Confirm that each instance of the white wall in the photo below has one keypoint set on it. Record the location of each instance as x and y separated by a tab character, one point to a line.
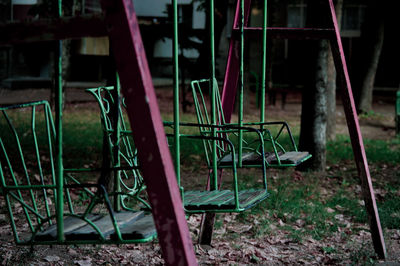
154	8
158	8
24	2
199	17
163	49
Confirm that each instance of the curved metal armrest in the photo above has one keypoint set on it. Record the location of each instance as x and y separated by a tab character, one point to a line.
224	129
283	124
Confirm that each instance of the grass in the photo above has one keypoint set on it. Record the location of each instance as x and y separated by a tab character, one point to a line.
378	151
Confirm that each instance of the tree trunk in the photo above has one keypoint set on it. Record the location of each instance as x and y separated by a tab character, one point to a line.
314	109
331	84
372	38
313	116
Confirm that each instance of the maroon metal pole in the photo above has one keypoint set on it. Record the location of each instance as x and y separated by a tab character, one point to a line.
232	65
228	100
148	133
356	138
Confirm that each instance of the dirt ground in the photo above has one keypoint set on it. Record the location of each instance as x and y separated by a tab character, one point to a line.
273	249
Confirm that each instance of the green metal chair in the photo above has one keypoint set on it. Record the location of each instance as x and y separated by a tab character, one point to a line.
119	147
30	187
218	199
227	200
278	151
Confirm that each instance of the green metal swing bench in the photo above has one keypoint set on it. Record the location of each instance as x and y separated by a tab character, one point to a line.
263	146
277	153
227	200
31	189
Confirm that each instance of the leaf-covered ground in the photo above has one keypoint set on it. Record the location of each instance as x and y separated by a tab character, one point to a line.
343	247
269	236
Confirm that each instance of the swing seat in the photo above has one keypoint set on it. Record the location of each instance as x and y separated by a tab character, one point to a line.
279	151
292	158
31	190
222	200
134	226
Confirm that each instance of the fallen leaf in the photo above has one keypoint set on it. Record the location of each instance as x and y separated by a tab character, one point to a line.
51	258
329	210
85	262
281	223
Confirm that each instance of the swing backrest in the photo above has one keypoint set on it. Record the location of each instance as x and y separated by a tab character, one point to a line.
203	113
130	177
27	167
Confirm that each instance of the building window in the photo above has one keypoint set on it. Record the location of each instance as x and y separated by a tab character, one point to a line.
185	13
296	16
353	17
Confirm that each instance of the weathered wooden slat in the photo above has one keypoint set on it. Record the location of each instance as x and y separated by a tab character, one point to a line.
252	197
247	156
192	196
223	198
250	158
52	29
292	157
105	225
139	229
226	200
213	197
202	196
70	223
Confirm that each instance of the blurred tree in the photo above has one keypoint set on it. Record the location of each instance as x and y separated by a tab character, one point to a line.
314	107
372	36
331	83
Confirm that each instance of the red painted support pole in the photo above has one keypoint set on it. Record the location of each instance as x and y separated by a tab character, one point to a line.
232	66
228	100
148	133
356	138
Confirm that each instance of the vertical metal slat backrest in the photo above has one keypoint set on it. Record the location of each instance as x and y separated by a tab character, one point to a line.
131	180
27	170
203	118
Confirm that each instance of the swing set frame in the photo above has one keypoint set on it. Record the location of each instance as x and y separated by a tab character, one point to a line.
121	25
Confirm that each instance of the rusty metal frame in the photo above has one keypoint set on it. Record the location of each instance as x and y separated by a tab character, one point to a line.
356	137
148	133
332	33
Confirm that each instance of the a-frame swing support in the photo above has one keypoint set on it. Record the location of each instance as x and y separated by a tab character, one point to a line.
331	33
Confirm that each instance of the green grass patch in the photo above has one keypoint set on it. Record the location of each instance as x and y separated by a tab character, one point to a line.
389	211
349	205
378	151
299	206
